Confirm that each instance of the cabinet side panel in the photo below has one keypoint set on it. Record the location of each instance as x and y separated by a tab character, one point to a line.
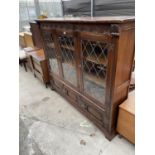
125	59
36	35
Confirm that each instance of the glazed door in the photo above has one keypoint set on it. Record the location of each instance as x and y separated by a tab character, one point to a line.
50	49
95	51
66	47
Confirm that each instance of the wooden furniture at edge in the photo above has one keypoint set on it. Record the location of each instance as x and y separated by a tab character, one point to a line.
22	40
39	64
29	47
28	51
75	48
28	39
126	118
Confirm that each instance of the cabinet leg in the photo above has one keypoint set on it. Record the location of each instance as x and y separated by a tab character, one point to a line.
24	63
46	85
110	136
52	88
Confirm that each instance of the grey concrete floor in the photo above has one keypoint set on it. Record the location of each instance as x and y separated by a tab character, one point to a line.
49	125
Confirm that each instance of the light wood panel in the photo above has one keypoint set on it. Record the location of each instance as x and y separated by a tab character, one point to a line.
126	118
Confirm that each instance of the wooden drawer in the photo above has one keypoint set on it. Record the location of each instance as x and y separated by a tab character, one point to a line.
70	93
91	110
95	113
37	67
38	75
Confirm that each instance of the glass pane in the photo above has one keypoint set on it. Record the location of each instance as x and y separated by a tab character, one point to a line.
27	12
32	13
95	68
50	50
68	60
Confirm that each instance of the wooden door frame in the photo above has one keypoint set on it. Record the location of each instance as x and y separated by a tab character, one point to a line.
72	34
102	38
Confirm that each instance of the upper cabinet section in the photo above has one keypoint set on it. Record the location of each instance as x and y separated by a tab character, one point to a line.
48	39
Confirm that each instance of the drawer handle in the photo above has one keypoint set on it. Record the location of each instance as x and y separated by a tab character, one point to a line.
64	33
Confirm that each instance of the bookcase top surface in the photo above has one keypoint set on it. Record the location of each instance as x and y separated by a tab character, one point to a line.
104	19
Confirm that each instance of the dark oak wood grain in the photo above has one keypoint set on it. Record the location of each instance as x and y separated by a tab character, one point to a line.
100	52
36	35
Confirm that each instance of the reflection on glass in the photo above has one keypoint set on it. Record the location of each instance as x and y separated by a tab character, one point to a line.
54	65
95	66
50	49
68	60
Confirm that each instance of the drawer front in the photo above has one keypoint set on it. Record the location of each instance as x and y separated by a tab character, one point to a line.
94	112
80	101
38	67
70	93
83	104
58	85
39	76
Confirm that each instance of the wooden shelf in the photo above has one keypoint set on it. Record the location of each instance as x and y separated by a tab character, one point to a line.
67	47
95	79
97	61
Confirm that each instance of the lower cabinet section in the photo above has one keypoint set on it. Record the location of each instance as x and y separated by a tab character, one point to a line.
82	104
